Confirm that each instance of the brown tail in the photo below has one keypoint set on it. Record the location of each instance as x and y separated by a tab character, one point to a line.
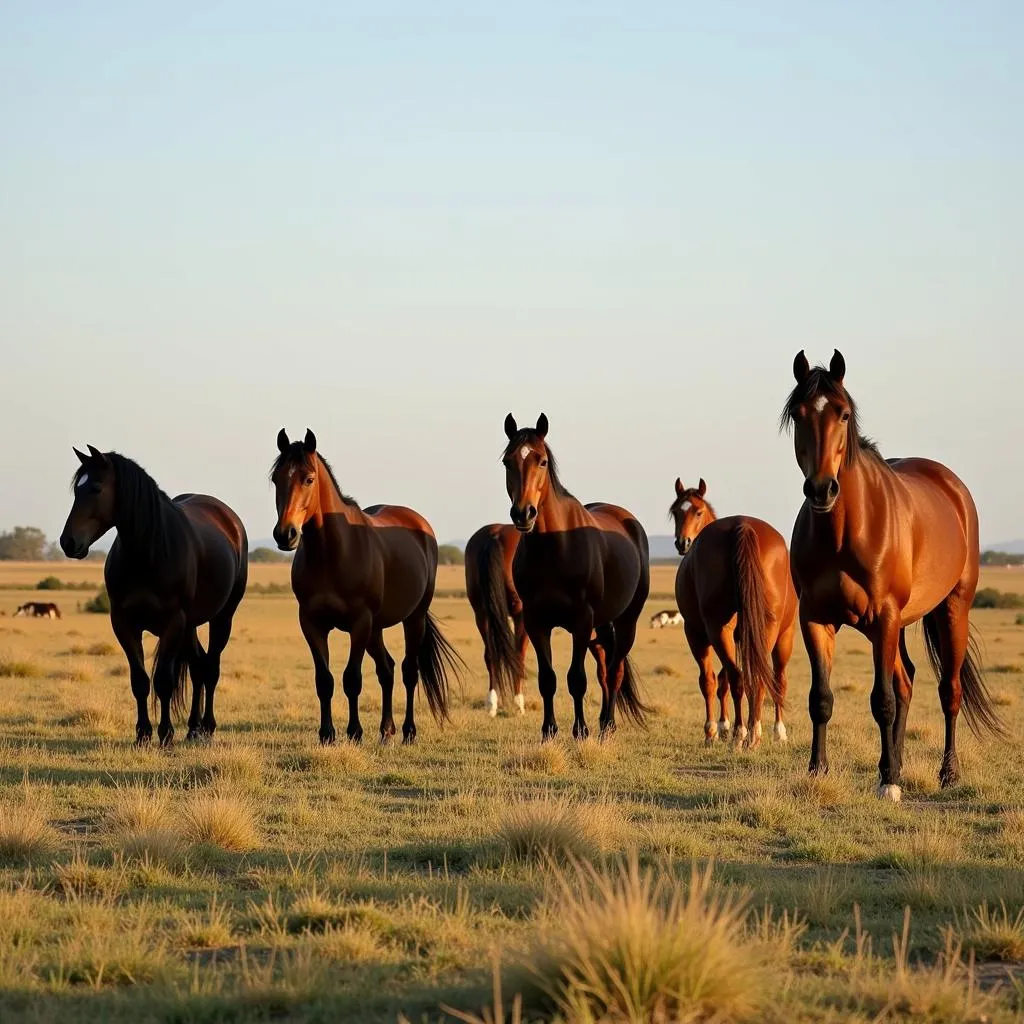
755	617
502	653
977	704
628	698
436	659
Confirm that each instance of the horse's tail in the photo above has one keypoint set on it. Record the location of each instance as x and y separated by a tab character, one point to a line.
978	707
755	617
436	659
179	671
628	697
499	643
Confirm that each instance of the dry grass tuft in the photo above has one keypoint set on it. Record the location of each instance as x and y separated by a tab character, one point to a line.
19	668
559	829
25	831
222	818
545	759
340	759
138	809
626	945
592	753
207	929
823	791
993	935
157	846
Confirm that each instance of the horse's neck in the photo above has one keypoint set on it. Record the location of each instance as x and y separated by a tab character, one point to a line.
136	534
856	483
561	512
330	503
707	519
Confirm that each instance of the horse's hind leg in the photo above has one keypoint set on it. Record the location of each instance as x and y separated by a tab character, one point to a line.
725	648
492	689
522	642
950	622
903	686
577	675
220	633
781	654
385	666
723	702
415	629
196	661
700	648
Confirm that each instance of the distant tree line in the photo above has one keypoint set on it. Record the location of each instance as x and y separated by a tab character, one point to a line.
1001	558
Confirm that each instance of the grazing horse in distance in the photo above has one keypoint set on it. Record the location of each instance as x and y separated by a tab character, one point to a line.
360	571
877	545
583	568
493	597
736	596
175	565
665	618
39	610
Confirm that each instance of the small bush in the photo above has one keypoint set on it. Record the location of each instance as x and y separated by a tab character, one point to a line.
267	556
100	604
989	597
49	583
1019	620
19	668
449	554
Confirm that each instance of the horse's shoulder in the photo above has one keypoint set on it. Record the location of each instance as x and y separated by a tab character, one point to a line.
398	515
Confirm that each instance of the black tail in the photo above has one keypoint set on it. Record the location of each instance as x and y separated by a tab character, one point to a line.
180	671
628	698
976	703
499	643
755	617
436	659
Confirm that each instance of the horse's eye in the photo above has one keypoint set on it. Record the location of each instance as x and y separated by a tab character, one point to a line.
543	463
845	417
308	481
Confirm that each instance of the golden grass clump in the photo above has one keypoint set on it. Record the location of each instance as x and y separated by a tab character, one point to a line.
546	759
158	846
559	829
994	935
206	929
626	945
339	758
138	809
222	818
25	831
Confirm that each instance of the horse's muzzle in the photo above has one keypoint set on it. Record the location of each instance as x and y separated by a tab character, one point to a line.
72	548
822	495
523	519
683	544
287	539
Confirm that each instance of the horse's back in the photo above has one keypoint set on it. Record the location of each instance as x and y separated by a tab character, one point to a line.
706	582
223	555
206	512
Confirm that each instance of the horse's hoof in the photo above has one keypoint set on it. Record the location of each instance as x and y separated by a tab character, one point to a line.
327	737
580	732
354	735
521	703
949	776
167	739
890	792
143	737
492	703
548	733
780	732
818	768
723	728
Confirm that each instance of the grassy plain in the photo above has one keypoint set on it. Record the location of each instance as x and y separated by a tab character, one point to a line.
263	877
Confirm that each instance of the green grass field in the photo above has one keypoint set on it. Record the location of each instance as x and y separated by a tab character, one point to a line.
648	878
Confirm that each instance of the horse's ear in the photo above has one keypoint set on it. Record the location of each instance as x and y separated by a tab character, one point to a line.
542	426
680	489
309	441
837	368
83	459
282	441
702	488
801	368
97	454
510	426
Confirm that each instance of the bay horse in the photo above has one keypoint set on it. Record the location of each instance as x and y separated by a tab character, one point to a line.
736	595
493	597
176	564
360	571
877	545
583	568
667	617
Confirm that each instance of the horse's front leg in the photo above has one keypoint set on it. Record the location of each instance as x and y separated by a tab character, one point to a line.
352	677
820	641
316	634
130	640
577	675
547	681
170	672
885	643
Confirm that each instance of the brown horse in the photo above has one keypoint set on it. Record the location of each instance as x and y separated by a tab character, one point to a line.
492	594
584	568
174	565
38	610
877	545
736	596
360	571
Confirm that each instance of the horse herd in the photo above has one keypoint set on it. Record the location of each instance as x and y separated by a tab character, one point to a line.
877	545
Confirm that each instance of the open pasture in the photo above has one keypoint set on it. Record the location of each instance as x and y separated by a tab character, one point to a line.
263	876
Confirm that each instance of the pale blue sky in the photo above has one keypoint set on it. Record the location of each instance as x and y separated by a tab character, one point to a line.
395	222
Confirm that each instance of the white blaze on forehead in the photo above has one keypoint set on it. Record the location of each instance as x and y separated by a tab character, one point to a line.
686	506
524	452
82	480
820	402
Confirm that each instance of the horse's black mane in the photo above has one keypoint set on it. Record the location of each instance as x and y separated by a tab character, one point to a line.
531	437
820	382
688	495
298	456
150	524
